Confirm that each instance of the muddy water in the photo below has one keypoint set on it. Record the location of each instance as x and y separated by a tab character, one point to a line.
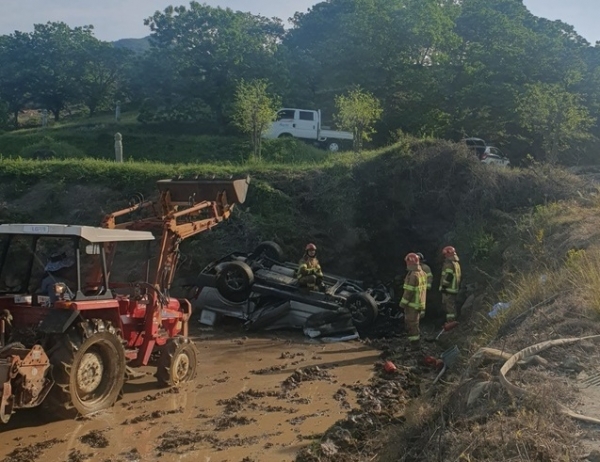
236	410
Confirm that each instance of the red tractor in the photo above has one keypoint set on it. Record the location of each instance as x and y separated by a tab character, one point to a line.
69	334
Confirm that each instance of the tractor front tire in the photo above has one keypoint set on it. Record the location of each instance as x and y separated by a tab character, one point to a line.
177	363
88	369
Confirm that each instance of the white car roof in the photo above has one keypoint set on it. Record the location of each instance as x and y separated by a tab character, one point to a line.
89	233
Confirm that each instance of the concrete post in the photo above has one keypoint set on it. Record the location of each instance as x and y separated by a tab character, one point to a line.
45	118
118	111
118	147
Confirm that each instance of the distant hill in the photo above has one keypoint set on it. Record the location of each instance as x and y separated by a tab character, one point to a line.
137	45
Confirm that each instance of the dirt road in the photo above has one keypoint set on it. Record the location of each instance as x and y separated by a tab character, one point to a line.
248	403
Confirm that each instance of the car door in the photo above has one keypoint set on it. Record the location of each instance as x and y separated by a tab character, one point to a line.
285	121
306	124
497	157
477	145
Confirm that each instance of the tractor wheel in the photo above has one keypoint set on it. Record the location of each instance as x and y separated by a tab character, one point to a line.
270	250
234	281
363	309
88	366
177	363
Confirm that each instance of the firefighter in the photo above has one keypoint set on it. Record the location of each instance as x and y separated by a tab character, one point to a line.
450	282
425	267
414	299
309	272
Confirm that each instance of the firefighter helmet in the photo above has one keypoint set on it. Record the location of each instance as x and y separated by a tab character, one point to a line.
412	259
310	247
449	251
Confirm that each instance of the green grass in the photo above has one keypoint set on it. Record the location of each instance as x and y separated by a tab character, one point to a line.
94	137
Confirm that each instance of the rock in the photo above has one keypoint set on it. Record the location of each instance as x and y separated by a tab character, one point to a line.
329	448
572	363
468	305
593	456
478	302
482	388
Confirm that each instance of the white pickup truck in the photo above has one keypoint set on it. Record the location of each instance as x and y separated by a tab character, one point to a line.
306	124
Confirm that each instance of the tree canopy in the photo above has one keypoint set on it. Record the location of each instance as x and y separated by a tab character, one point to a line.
444	68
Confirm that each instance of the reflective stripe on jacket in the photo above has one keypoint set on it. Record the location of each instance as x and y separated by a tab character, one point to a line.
451	275
415	290
308	266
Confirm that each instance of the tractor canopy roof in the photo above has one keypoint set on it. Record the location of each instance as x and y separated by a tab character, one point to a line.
89	233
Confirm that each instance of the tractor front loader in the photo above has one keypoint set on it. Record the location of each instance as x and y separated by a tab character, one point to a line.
69	334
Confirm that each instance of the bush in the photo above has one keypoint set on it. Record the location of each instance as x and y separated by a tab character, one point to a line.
291	150
184	111
48	148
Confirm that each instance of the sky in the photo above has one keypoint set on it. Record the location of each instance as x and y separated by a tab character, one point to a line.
116	19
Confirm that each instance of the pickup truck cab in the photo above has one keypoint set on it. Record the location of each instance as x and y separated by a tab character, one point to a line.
306	125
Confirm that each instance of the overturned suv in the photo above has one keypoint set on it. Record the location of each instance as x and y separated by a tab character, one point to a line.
262	289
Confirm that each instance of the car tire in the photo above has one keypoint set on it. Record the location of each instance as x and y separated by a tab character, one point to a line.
234	282
332	146
270	249
363	309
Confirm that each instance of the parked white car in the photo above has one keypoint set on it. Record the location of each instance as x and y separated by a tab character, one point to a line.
493	155
487	154
306	125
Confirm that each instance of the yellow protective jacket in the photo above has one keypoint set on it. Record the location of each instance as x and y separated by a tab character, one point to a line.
415	289
309	266
429	274
451	276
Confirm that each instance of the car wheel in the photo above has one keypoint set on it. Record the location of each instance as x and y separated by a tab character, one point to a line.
332	146
363	309
234	281
269	249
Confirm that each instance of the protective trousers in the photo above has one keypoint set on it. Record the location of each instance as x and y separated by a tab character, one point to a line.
449	305
411	320
309	281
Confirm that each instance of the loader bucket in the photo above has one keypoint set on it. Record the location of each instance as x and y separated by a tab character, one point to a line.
197	190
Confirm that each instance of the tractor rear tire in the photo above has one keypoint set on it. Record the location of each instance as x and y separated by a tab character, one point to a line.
178	362
88	369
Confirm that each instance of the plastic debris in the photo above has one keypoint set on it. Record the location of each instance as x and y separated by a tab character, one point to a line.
498	308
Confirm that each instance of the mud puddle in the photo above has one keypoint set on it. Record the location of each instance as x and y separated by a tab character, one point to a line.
259	398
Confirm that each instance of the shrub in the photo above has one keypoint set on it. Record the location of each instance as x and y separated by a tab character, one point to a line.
48	148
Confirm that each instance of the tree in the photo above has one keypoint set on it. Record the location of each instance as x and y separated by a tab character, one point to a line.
16	72
104	73
59	54
555	117
254	110
358	111
211	48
